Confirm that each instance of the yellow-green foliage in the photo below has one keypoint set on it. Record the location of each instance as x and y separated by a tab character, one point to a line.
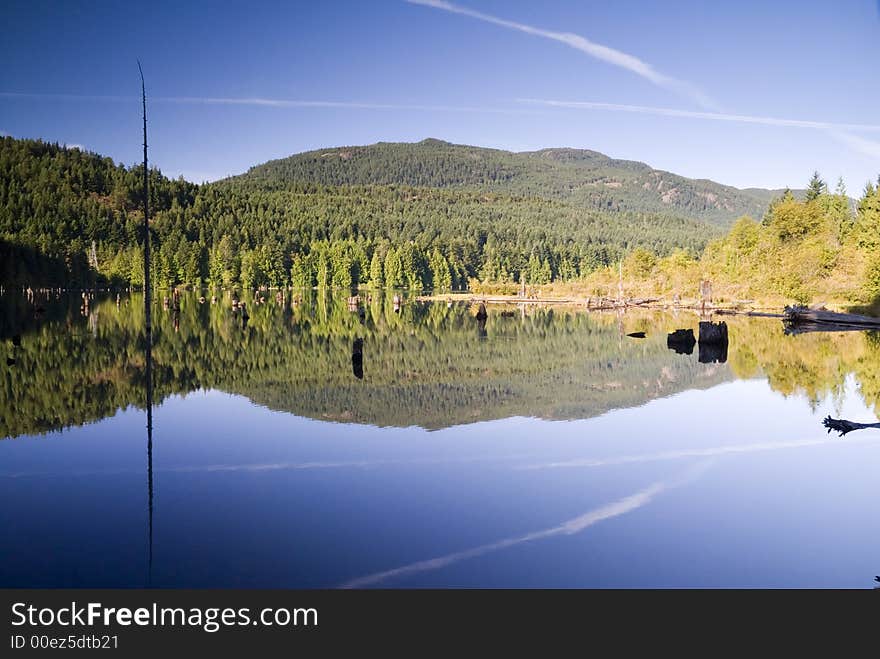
802	251
492	288
640	263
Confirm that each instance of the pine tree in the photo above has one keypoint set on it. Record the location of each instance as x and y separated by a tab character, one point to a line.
376	279
441	276
323	274
301	275
816	188
393	269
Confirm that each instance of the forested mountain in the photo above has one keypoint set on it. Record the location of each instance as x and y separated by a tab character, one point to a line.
580	177
69	217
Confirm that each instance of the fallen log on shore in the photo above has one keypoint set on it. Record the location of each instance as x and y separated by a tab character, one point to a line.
803	319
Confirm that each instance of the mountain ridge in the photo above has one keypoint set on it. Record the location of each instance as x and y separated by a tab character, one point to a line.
582	177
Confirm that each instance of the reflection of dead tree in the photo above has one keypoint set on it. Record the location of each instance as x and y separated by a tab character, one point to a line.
357	358
843	426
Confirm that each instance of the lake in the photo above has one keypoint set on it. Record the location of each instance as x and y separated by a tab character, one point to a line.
315	446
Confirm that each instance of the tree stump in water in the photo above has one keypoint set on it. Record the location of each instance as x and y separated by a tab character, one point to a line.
711	353
713	333
482	314
713	342
682	341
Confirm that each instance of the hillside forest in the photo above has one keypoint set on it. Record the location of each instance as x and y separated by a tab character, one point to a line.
432	216
816	250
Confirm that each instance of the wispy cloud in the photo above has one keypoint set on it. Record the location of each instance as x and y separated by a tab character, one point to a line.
838	131
354	105
690	114
598	51
68	97
570	527
860	144
273	103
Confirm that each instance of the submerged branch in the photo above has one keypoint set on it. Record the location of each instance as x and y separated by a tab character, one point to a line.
843	426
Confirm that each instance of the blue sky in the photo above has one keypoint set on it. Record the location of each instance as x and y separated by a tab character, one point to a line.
760	93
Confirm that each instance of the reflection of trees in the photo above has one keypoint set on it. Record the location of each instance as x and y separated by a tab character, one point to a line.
812	364
427	365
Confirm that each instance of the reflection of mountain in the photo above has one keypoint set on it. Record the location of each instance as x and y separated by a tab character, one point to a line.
426	366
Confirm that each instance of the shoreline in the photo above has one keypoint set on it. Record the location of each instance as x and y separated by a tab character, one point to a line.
606	304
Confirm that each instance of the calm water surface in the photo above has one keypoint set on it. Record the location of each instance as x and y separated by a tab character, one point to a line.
544	448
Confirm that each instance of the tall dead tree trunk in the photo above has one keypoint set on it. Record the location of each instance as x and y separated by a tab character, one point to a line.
149	337
147	289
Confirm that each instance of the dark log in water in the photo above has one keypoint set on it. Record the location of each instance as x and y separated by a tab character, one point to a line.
682	341
636	335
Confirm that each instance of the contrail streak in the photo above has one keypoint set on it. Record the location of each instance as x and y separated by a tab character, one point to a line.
714	116
570	527
591	48
275	103
353	105
856	143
